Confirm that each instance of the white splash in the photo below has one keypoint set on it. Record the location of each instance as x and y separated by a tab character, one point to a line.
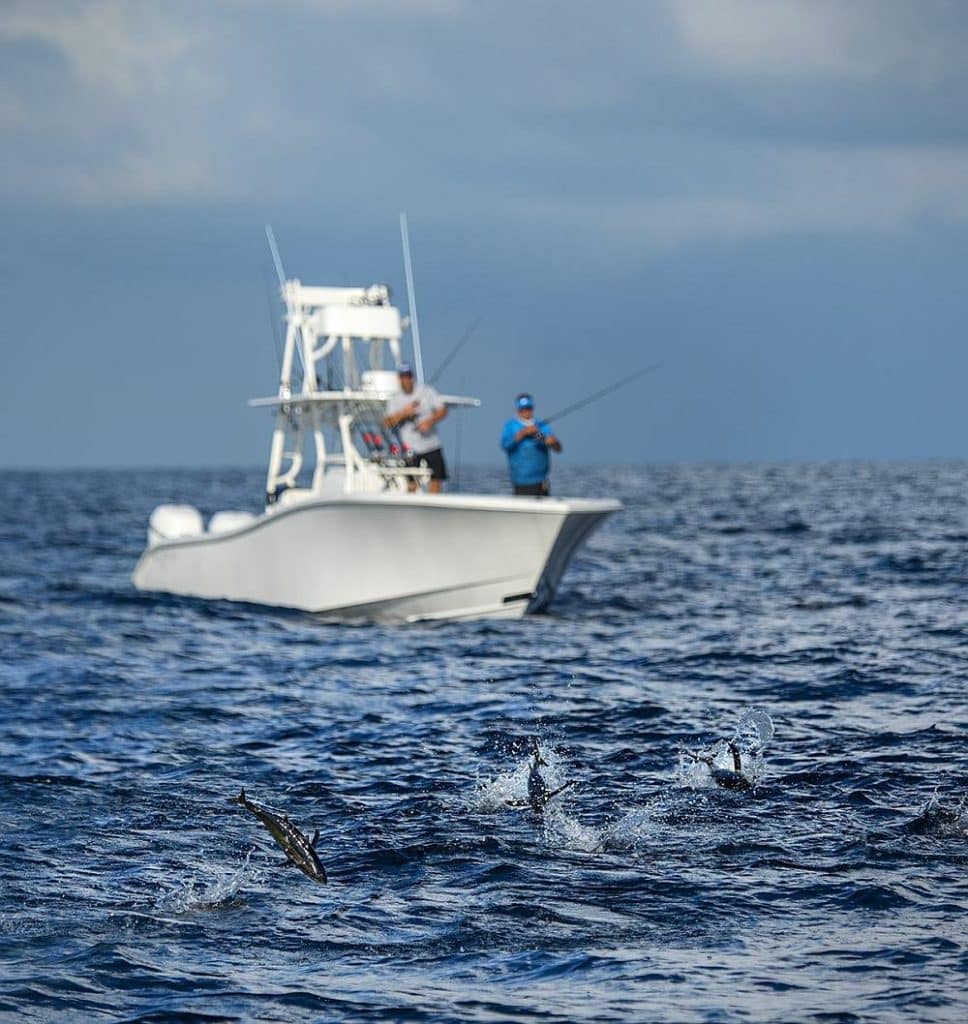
214	889
510	789
504	790
563	831
753	732
631	831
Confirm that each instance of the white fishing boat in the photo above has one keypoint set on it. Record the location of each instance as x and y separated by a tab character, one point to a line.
349	530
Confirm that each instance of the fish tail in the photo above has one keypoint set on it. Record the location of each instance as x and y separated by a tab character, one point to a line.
561	789
240	799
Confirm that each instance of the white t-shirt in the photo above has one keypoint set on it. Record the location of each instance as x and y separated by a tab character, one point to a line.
429	401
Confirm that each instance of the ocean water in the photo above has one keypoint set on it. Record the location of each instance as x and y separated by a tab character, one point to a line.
815	613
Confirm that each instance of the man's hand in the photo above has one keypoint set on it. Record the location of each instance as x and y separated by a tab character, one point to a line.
425	426
406	413
529	431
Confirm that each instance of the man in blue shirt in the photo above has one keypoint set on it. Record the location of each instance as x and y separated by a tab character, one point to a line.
526	441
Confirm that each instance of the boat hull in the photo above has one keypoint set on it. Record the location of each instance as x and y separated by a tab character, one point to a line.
385	557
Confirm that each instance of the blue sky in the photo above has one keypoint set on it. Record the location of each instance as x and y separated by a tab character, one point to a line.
770	197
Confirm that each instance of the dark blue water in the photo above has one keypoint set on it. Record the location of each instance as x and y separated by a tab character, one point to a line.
833	598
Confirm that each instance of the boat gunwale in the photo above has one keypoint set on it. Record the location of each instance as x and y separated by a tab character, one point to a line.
484	503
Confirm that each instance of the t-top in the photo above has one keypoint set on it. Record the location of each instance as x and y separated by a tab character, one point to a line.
428	402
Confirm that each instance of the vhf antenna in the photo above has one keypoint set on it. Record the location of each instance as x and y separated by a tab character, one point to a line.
411	298
280	274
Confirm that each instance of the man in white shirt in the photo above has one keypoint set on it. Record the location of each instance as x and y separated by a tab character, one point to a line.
414	414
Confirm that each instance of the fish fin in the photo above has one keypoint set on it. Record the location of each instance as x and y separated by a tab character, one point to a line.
517	804
240	799
560	789
315	839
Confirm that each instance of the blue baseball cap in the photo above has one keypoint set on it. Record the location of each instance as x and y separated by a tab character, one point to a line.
524	402
405	370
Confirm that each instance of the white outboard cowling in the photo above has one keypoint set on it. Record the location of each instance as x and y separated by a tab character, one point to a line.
225	522
172	522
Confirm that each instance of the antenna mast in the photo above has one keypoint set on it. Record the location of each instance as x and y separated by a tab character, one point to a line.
411	298
277	262
274	249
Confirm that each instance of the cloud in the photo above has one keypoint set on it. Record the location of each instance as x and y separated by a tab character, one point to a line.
863	39
117	48
678	122
112	106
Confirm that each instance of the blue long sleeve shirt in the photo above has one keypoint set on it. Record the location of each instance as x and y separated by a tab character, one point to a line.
528	459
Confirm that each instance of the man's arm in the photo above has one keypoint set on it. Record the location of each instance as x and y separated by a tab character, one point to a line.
550	440
428	424
394	419
511	438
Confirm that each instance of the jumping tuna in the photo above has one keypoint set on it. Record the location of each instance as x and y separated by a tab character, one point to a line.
298	849
728	778
539	795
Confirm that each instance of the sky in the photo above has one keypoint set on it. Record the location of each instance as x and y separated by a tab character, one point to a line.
768	196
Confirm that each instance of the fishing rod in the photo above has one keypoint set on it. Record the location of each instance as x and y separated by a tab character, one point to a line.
575	406
382	444
462	341
367	422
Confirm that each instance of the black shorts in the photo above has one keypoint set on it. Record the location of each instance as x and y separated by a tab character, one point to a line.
435	463
541	490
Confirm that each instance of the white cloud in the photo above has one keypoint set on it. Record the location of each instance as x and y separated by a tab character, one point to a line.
127	109
112	46
312	103
848	38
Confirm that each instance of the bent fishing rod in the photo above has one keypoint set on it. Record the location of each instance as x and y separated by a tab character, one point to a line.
601	393
461	342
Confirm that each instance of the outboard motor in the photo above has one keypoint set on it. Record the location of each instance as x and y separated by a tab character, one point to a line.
226	522
172	522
